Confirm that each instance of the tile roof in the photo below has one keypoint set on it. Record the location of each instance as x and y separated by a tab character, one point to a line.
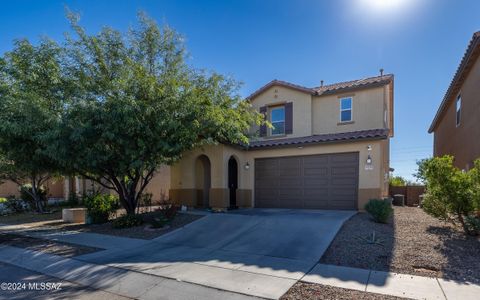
321	138
353	84
468	60
328	88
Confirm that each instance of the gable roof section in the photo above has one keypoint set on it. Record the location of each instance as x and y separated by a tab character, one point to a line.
469	58
371	134
329	88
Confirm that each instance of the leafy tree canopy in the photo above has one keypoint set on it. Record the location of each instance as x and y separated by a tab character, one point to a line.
137	104
31	92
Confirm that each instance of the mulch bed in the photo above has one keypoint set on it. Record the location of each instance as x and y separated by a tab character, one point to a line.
302	290
48	246
28	218
412	243
138	232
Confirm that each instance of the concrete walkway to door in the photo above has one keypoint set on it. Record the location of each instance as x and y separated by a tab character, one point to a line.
257	252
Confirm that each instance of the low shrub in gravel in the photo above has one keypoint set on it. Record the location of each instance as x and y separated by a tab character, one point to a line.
127	221
452	195
380	210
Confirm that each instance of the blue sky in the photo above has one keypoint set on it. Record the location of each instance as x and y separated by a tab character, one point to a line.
420	41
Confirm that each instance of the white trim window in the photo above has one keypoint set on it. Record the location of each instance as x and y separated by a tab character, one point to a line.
458	110
346	109
278	120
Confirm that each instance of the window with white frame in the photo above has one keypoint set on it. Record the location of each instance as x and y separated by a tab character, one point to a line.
346	109
458	110
278	120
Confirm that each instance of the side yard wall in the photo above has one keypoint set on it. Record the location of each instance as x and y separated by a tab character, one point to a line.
411	192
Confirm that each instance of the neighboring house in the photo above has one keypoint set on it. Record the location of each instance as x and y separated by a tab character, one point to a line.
328	149
55	188
456	126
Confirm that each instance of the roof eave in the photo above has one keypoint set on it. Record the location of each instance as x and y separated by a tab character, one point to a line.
473	49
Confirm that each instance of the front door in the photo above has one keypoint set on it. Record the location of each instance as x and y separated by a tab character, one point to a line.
233	181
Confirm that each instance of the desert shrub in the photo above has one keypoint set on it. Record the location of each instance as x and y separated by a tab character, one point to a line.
100	207
145	201
159	222
3	200
452	195
14	205
127	221
26	192
380	210
168	211
473	225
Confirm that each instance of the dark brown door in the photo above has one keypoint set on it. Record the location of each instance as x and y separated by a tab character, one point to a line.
326	181
233	181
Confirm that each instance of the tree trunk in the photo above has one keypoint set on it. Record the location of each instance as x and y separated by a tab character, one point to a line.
128	201
36	198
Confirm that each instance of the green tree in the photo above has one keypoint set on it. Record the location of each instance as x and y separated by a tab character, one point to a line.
31	93
397	181
451	194
138	105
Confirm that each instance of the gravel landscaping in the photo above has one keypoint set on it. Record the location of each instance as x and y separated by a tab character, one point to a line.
302	290
48	246
412	243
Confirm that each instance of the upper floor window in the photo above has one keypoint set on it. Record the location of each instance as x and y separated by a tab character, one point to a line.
278	120
346	109
458	110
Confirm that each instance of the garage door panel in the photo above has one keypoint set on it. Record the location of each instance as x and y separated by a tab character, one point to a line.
344	158
315	182
327	181
343	181
343	170
316	161
316	171
289	182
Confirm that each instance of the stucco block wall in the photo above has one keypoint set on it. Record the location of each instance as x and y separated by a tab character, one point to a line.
463	141
55	188
368	108
371	182
302	105
159	186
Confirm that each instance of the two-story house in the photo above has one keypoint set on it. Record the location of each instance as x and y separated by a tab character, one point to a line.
456	126
328	149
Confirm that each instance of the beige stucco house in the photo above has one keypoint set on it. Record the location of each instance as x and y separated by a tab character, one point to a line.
328	149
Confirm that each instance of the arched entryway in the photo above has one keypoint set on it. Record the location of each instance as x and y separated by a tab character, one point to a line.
233	181
203	180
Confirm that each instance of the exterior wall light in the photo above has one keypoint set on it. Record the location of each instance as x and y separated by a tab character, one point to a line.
369	163
247	166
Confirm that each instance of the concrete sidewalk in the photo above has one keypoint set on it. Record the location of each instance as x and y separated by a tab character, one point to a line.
388	283
112	280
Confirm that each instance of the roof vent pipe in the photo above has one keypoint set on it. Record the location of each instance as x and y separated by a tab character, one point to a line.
381	72
321	83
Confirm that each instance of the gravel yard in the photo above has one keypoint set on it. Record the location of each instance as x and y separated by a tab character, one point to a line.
412	243
52	247
302	290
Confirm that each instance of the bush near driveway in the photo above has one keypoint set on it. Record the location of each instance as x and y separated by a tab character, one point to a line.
380	210
452	195
127	221
100	207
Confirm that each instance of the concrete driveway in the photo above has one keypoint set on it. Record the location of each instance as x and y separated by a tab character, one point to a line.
257	252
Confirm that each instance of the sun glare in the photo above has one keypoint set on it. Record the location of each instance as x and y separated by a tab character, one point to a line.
385	5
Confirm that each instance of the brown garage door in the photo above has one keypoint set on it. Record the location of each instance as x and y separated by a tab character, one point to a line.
326	181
